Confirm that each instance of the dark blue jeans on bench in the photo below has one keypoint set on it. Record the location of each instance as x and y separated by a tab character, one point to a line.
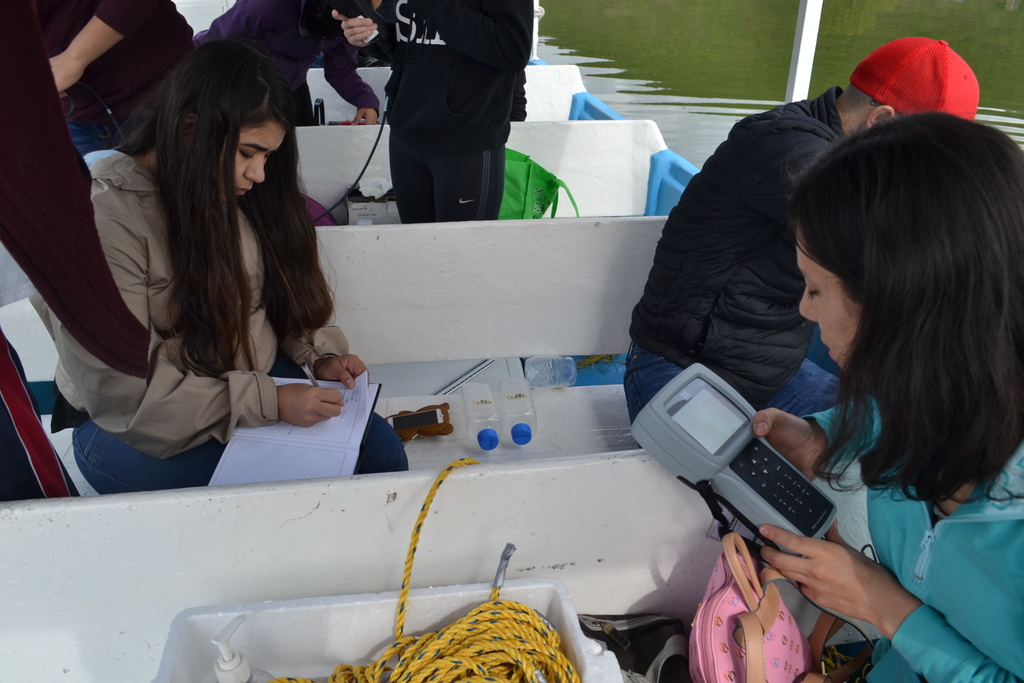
810	390
112	466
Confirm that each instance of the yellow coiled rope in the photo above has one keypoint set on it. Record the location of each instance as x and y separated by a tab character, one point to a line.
501	640
603	362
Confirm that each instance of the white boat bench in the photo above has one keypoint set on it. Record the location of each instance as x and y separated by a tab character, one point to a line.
407	295
613	167
607	165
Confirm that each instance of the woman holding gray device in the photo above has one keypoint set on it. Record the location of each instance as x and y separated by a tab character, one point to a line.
911	242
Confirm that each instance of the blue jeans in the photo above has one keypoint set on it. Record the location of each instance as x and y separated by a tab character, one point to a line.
810	390
89	137
112	466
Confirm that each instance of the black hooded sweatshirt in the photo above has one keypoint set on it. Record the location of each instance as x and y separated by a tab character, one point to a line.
455	64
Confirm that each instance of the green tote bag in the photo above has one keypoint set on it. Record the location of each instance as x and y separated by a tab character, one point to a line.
530	188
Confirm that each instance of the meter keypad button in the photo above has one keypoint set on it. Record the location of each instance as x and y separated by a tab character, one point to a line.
782	487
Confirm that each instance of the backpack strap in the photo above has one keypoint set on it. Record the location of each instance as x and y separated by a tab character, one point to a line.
554	201
738	559
707	493
675	645
754	625
754	646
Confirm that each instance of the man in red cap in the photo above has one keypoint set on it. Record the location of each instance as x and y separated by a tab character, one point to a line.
724	289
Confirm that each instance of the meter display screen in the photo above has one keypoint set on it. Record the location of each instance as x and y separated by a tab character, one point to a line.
706	415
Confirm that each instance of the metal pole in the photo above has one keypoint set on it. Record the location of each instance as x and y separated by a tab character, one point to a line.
804	43
538	13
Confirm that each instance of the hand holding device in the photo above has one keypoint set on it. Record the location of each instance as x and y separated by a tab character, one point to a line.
842	581
358	9
700	429
800	441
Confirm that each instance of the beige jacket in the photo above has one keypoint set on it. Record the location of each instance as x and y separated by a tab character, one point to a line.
173	409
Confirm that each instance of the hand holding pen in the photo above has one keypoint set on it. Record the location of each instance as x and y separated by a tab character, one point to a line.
304	405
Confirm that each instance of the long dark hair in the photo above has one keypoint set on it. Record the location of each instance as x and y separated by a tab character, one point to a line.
922	220
193	127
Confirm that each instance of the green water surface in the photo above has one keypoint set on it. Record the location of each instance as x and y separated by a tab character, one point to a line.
741	49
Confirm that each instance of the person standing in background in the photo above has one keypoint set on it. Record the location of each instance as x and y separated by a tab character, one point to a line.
295	33
454	68
105	56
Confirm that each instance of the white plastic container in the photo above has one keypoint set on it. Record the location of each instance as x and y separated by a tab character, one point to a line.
549	372
308	637
518	416
232	666
482	418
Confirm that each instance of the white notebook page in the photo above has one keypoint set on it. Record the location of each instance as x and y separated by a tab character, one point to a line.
284	451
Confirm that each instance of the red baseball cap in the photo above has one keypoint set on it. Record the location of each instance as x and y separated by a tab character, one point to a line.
919	74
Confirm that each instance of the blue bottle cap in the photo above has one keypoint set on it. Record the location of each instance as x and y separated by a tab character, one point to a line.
521	433
488	439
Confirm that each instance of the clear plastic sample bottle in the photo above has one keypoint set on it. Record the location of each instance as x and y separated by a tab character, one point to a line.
482	416
518	416
549	372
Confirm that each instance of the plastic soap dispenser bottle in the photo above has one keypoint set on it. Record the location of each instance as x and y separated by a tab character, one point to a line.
231	666
518	417
481	414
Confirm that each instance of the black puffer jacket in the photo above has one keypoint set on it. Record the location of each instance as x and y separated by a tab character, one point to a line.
724	289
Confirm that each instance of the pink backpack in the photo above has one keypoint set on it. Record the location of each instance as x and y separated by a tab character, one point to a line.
735	604
743	631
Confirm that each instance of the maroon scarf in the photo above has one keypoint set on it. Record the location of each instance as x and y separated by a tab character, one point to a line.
46	216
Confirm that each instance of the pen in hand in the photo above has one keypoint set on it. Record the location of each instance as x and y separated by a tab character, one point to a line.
309	374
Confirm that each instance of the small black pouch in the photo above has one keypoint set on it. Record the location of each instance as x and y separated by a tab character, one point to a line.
637	640
65	415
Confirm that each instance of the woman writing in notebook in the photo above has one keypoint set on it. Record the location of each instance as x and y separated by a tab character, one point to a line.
212	247
910	237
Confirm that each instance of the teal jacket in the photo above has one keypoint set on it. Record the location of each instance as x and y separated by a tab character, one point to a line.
968	570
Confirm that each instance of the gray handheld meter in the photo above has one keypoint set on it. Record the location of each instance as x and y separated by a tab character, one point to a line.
700	429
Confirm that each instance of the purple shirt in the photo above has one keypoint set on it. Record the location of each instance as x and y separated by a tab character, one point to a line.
156	36
275	23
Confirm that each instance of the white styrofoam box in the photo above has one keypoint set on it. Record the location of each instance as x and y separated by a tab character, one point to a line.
380	211
309	637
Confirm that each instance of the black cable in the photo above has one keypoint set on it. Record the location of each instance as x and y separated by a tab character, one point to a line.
103	103
359	177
